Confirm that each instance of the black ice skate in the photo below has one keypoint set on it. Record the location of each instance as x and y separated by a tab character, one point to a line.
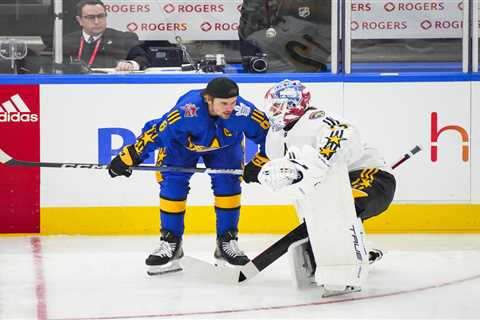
374	255
227	250
165	258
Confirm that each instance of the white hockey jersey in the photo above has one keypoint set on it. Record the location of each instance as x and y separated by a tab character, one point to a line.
332	136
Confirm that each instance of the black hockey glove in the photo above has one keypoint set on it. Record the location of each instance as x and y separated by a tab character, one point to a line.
252	169
120	165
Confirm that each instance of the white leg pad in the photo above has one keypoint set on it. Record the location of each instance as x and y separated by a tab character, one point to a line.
335	232
301	267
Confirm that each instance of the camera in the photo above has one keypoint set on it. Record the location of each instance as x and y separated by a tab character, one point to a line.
166	56
257	63
212	63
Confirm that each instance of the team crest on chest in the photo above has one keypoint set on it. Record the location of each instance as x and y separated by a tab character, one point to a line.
190	110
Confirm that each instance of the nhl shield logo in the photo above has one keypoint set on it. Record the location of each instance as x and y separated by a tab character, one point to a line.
304	12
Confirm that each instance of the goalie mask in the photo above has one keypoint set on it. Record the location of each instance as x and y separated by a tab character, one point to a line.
286	102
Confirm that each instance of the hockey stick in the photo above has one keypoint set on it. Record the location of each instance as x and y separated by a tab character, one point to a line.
272	253
407	156
279	248
9	161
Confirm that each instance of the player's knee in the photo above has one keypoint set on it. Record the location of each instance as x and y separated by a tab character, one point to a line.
226	184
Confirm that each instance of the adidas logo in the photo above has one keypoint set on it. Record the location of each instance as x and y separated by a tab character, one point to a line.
16	110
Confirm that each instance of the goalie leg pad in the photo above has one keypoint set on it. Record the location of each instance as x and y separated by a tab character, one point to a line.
302	267
335	232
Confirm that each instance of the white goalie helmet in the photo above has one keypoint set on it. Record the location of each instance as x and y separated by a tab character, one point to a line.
286	102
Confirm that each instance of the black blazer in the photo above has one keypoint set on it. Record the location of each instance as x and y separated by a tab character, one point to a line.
115	45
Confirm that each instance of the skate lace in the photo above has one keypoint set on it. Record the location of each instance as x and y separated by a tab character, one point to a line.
231	248
165	249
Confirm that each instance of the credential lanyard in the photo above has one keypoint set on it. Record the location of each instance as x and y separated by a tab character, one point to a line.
94	53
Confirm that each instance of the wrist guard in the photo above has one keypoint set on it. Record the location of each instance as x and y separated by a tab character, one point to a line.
252	168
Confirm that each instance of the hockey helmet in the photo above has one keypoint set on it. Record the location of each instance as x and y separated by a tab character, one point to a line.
286	102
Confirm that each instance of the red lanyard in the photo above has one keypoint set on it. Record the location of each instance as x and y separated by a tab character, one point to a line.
94	53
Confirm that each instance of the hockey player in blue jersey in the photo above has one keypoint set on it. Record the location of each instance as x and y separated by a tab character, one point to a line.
211	124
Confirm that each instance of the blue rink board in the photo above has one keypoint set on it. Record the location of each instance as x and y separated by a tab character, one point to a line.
361	72
241	78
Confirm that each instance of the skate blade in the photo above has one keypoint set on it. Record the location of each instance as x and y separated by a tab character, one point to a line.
327	293
171	267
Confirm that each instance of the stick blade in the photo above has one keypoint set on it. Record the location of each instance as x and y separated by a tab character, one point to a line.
4	157
416	149
206	271
247	272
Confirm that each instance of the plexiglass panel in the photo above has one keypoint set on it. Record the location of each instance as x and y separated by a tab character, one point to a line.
406	35
252	36
232	36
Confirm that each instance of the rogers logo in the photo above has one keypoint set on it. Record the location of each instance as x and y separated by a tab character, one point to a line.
354	26
219	26
194	8
361	7
425	24
206	26
460	6
16	110
132	26
239	7
389	6
169	8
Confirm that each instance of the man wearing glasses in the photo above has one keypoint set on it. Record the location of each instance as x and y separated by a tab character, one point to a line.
101	47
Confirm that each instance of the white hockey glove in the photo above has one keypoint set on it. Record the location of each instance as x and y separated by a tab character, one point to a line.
296	175
311	171
278	173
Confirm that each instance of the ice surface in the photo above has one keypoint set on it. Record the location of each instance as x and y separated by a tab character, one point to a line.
64	277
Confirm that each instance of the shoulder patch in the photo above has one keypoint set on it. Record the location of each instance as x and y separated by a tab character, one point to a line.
316	114
189	110
242	110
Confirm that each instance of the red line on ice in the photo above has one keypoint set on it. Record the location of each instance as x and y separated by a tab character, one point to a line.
40	290
300	305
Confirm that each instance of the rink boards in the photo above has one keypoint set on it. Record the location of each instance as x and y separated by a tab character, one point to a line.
80	120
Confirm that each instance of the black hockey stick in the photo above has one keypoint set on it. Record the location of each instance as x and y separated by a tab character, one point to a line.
279	248
9	161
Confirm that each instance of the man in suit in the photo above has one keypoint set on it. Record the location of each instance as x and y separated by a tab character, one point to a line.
101	47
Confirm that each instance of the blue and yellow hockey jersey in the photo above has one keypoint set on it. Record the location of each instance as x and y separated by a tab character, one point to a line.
188	131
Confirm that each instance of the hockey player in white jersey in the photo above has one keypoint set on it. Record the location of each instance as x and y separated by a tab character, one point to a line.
319	160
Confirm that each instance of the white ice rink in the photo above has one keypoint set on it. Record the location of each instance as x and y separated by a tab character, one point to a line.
62	277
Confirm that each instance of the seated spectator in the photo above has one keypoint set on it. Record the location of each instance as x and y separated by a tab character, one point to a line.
101	47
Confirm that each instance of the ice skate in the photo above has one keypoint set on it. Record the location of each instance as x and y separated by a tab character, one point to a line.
165	258
333	291
374	255
227	251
